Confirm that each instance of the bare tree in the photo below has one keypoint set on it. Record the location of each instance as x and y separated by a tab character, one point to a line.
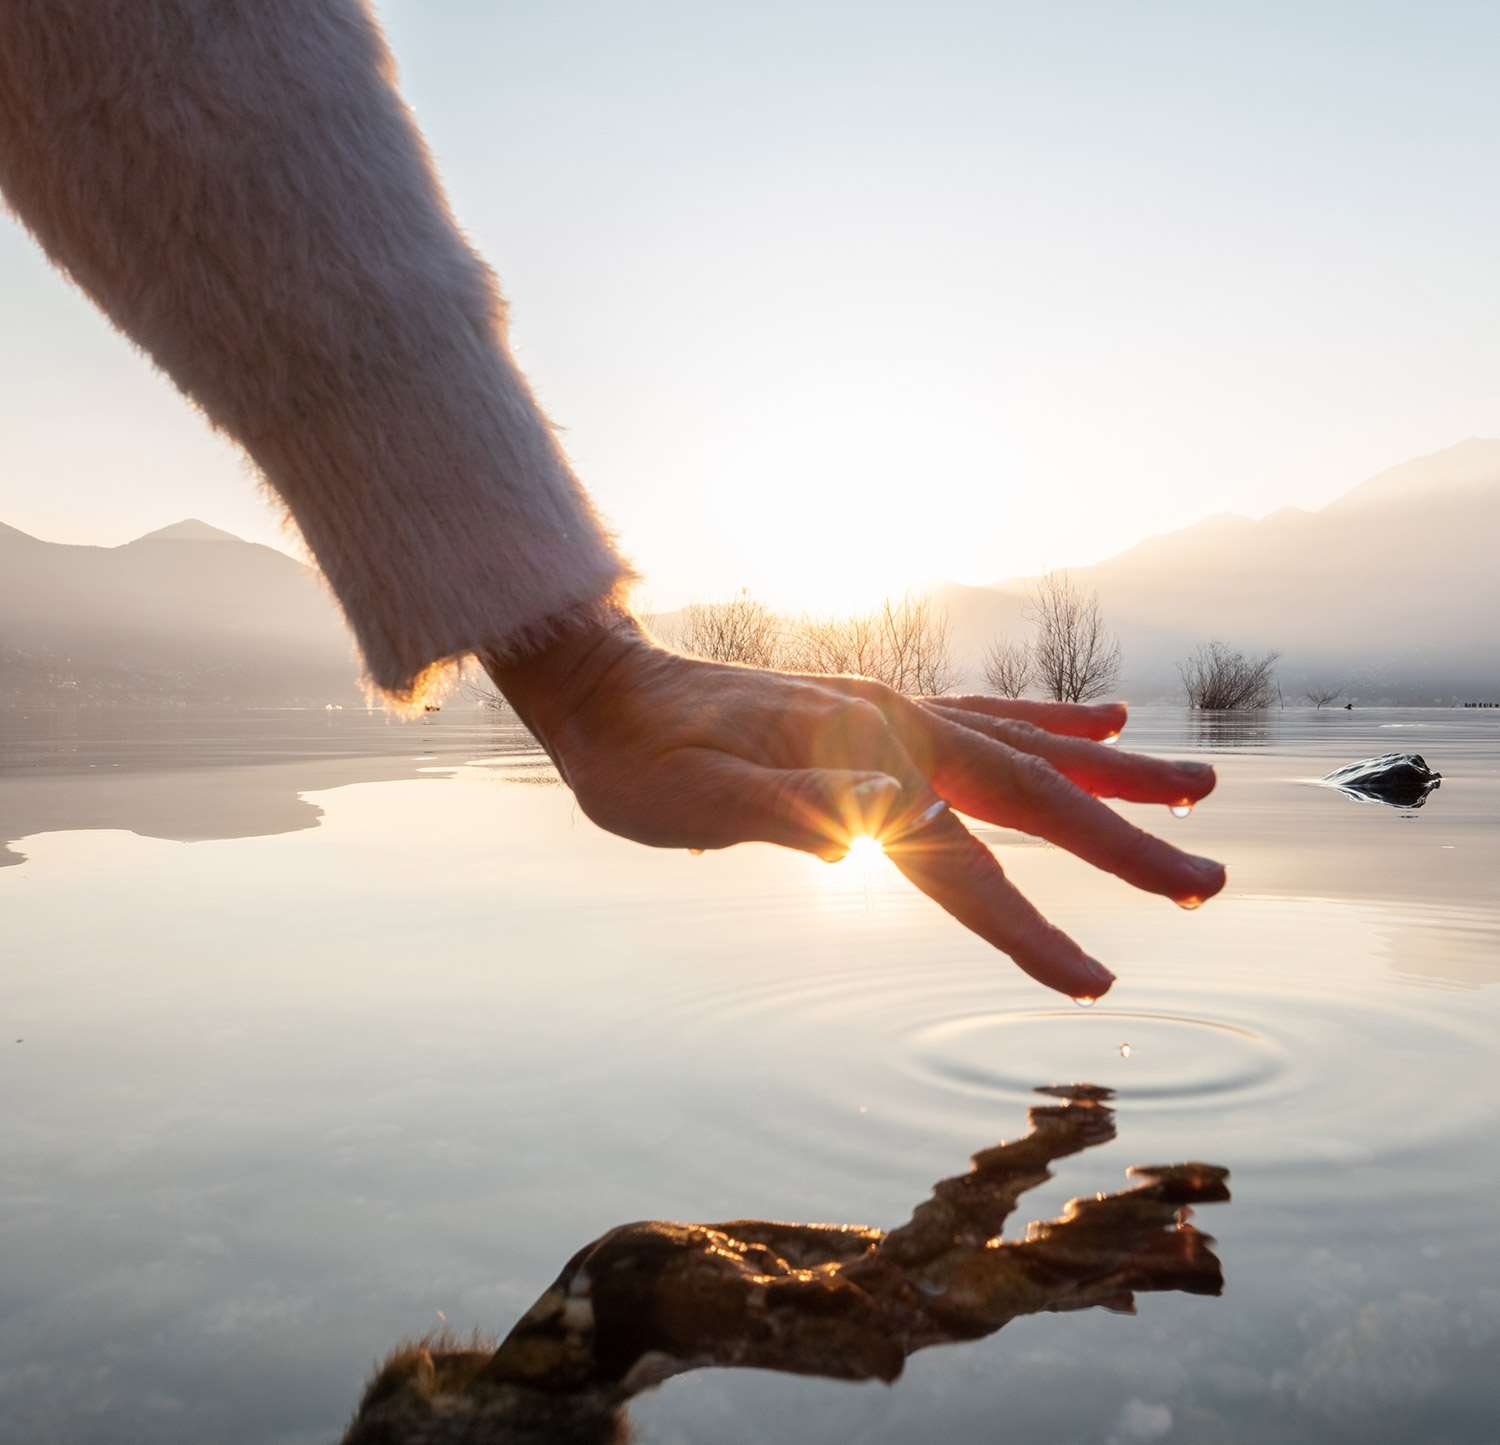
740	630
1008	667
1221	679
905	644
917	653
1076	657
833	645
1321	695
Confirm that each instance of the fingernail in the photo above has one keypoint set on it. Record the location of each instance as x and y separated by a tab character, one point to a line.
1207	867
929	814
1101	977
875	790
1195	770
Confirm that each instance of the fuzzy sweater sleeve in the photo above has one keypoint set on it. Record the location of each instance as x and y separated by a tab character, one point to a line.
239	186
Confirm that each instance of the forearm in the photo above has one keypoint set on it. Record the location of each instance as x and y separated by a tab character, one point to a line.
239	186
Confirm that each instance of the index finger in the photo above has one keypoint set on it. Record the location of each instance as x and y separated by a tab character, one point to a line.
953	868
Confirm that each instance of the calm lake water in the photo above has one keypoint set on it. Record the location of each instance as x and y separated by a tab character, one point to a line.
319	1030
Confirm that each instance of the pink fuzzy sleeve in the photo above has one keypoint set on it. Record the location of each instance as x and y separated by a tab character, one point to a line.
239	186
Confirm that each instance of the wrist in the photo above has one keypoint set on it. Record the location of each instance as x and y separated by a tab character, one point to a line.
552	681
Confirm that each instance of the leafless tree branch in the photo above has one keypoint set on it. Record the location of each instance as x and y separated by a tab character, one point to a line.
1076	657
1220	678
1321	695
1009	667
905	644
740	630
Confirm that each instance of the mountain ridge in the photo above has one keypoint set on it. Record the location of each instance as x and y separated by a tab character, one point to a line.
1388	589
190	529
187	613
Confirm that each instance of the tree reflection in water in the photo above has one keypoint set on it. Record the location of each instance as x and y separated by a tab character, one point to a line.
1218	731
650	1300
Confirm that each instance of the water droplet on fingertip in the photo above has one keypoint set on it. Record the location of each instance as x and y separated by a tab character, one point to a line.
1191	902
1124	1051
1111	740
1085	1000
1181	810
695	852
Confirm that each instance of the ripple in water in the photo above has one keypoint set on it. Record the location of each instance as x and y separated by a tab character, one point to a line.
1174	1058
1286	1068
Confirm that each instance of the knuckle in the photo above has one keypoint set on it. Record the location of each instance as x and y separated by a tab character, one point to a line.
871	692
1024	736
852	718
841	730
864	715
1036	780
865	687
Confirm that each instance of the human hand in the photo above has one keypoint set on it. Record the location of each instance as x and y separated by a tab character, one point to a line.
675	752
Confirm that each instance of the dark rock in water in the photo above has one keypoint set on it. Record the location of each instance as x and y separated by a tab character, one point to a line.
1401	780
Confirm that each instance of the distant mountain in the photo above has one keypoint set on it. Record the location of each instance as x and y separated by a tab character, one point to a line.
192	530
1470	467
187	613
1392	590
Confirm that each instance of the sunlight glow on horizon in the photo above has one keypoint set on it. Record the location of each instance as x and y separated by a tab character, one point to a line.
844	303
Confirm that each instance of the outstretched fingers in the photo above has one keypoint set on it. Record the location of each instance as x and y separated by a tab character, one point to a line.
991	781
1104	772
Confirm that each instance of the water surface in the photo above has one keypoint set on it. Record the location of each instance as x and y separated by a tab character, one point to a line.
320	1030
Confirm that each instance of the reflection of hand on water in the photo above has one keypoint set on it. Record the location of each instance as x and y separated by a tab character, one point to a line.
654	1299
680	753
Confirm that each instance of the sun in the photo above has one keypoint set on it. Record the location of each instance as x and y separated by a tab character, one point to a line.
863	873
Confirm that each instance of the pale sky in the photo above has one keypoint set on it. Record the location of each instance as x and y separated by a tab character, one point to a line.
840	299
